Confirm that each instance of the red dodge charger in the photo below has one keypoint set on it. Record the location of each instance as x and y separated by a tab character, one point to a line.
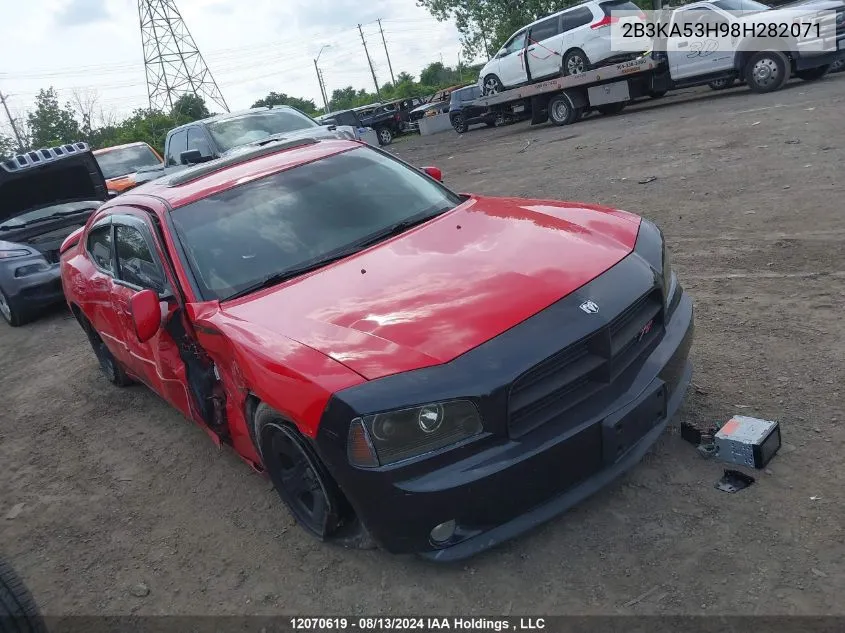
413	368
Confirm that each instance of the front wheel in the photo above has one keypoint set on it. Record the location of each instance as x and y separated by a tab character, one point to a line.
459	123
385	136
813	74
492	85
766	71
10	312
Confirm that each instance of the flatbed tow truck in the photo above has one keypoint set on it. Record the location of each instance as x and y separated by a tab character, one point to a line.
564	99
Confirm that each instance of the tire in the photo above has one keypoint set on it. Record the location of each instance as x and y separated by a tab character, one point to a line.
766	71
813	74
500	119
609	109
574	62
490	123
459	123
561	110
657	94
722	84
385	136
838	66
18	611
492	85
109	365
10	311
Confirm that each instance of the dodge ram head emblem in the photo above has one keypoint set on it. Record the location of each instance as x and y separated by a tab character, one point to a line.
590	307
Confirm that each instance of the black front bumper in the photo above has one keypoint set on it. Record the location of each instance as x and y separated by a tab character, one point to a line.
503	483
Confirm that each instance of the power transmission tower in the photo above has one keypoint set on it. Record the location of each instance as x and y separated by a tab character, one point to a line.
389	65
172	60
21	146
369	61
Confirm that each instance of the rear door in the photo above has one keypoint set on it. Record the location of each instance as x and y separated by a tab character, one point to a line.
545	40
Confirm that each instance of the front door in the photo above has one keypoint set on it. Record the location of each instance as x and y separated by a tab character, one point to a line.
697	56
512	61
138	266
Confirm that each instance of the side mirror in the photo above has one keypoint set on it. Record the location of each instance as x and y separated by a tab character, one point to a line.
434	172
192	157
330	121
146	314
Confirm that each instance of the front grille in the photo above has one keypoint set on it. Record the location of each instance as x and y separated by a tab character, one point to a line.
548	390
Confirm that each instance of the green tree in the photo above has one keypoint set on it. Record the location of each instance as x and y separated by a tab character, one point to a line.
189	107
49	123
275	98
7	147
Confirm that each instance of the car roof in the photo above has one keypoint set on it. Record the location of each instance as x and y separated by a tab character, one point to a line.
565	10
223	174
234	115
106	150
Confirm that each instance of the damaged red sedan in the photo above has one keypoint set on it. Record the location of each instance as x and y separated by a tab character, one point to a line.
417	369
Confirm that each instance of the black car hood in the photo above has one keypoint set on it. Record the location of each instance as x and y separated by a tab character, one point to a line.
45	177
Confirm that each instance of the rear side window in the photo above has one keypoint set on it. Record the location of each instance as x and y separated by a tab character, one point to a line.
135	261
576	18
99	247
545	29
178	144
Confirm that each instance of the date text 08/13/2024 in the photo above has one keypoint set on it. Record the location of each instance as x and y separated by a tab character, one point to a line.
374	623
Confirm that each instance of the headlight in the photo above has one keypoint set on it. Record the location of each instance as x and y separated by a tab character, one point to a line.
31	269
13	252
652	247
390	437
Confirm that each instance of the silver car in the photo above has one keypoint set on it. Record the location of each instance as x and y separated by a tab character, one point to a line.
45	195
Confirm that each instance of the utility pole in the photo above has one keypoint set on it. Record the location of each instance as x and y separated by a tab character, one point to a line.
12	123
322	88
389	65
369	61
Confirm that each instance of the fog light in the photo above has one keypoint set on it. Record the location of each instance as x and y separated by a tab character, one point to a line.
443	532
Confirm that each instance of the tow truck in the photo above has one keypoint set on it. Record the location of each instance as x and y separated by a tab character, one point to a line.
563	100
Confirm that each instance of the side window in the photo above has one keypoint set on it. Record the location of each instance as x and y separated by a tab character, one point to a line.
178	144
545	29
517	43
136	263
708	16
197	140
99	247
577	17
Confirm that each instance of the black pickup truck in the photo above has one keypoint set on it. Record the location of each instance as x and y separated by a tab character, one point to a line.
388	119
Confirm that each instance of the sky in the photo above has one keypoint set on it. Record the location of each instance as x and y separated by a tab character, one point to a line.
252	47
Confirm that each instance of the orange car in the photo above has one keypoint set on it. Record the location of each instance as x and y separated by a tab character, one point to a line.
119	164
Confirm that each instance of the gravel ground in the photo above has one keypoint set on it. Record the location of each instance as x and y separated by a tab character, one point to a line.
111	503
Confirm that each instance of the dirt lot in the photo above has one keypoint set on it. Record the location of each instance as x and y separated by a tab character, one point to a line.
117	489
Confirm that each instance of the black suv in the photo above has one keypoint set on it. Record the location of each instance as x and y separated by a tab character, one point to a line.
462	112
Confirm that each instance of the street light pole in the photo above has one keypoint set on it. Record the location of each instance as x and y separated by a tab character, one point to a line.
320	78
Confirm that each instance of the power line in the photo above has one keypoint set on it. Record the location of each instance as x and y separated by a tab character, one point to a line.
12	123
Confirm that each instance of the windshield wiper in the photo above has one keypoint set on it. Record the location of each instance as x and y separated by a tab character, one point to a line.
290	273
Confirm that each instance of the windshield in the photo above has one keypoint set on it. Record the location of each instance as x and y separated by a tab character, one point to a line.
239	237
126	160
248	128
68	208
740	5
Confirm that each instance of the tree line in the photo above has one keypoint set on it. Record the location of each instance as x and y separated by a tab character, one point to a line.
51	123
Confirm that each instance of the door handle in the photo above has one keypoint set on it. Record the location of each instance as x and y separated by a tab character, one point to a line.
531	48
683	44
